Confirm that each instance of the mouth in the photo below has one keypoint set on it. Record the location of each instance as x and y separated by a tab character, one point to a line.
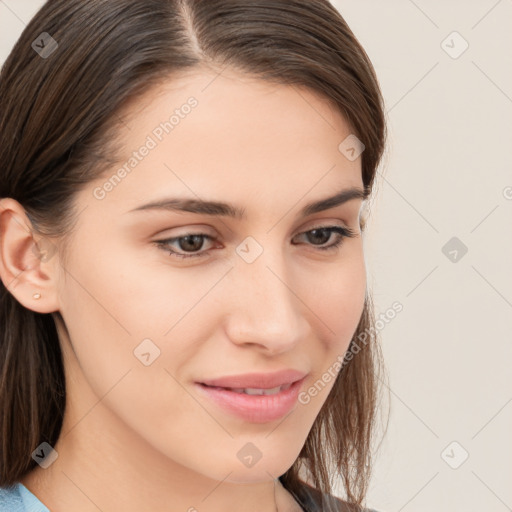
257	398
253	391
257	381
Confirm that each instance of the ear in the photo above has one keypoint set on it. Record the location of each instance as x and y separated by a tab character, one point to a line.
28	260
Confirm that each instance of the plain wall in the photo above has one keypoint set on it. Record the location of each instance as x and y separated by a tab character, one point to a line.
447	173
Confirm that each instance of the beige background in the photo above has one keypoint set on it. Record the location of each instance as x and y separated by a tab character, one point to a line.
448	353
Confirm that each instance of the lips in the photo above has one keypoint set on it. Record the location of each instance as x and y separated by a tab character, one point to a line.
256	380
257	398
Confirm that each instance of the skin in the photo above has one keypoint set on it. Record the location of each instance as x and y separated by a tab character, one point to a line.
140	437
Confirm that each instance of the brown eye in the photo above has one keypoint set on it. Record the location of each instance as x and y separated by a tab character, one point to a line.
321	235
188	243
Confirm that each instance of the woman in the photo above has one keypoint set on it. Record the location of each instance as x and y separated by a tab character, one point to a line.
186	321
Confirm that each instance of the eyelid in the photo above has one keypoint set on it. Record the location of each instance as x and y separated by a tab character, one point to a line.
203	231
324	223
189	229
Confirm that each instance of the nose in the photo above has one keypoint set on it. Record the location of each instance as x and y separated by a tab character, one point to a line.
264	308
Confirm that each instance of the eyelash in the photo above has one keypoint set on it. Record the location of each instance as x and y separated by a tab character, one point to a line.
342	231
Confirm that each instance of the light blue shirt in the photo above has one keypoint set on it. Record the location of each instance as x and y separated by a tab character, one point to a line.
18	498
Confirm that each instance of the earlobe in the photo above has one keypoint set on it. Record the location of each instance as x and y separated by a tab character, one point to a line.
27	264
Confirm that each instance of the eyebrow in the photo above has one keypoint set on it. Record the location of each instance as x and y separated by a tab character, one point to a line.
217	208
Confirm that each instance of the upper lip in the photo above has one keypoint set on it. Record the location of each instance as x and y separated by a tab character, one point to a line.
256	380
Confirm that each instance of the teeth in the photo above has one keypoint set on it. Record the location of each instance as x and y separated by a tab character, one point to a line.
254	391
258	391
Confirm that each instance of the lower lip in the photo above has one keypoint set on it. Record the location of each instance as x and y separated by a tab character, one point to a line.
254	408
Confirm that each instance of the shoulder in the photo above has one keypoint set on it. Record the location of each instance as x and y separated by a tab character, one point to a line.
312	500
17	498
10	499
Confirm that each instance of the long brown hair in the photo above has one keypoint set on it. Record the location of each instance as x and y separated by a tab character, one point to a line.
58	117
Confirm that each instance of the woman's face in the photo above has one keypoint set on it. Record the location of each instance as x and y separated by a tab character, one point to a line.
256	295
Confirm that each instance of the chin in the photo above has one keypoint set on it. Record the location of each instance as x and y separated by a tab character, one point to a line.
233	470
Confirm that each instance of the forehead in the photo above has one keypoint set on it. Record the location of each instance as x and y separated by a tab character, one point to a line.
220	135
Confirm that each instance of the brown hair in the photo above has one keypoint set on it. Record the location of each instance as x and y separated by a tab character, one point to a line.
58	119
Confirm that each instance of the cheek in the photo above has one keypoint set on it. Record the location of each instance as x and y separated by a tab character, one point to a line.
122	312
338	303
108	313
337	298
